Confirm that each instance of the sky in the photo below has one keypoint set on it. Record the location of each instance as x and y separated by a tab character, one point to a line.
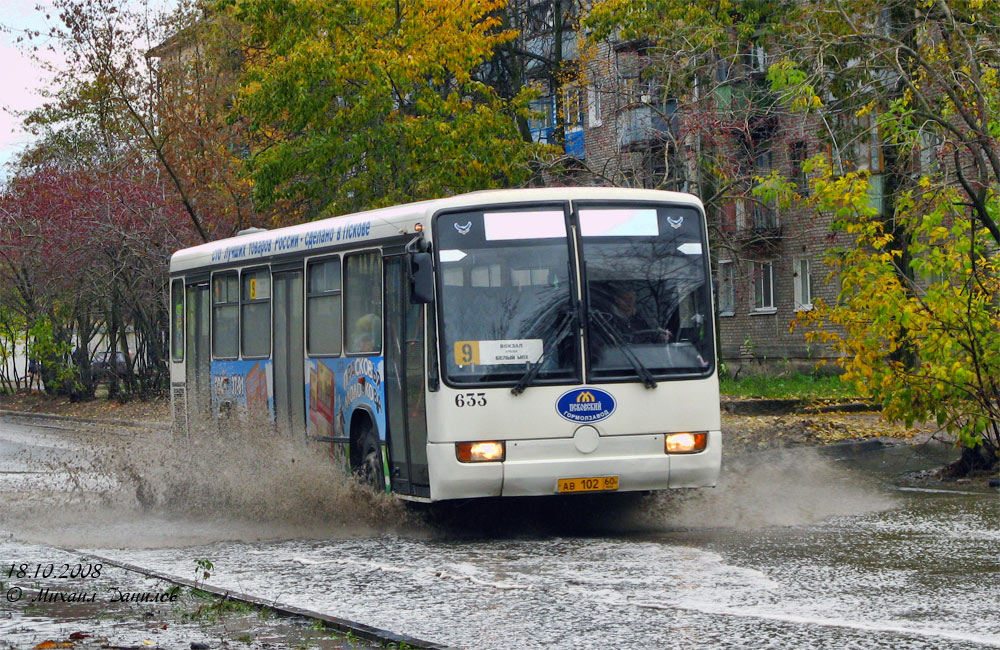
22	80
22	77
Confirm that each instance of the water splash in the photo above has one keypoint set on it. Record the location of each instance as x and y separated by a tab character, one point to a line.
159	487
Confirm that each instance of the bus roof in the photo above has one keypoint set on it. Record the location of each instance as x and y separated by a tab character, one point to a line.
371	226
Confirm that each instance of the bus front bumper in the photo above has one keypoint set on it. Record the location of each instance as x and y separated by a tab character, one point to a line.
534	467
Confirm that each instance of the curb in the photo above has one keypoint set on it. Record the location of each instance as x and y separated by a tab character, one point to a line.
849	407
367	632
762	406
31	415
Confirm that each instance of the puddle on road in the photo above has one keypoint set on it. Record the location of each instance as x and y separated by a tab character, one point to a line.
788	488
243	483
793	549
881	579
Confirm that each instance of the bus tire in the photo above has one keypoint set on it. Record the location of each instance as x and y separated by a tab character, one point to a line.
370	472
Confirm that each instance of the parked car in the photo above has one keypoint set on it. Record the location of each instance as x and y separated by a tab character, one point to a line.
108	362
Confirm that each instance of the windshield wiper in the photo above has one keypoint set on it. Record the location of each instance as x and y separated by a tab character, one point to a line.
600	319
563	330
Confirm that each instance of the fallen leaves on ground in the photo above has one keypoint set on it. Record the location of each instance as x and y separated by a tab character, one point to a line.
757	432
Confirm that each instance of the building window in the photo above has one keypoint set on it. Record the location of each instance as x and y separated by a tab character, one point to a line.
363	302
764	216
762	161
763	288
741	214
573	97
542	120
324	324
657	164
803	284
177	319
797	152
930	150
486	276
864	145
594	106
225	315
255	335
727	289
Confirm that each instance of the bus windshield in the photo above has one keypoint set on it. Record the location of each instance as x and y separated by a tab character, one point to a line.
506	296
508	301
647	291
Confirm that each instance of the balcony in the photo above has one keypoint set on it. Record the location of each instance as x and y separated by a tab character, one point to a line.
638	125
757	225
573	146
750	96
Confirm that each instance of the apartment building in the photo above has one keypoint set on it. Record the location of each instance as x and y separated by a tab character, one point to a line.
617	125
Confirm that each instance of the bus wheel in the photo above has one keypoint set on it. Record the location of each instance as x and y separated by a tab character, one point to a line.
370	472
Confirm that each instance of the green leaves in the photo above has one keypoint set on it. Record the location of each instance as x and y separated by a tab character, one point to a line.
366	103
918	331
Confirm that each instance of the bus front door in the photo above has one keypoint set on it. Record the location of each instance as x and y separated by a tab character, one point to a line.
289	366
198	363
404	383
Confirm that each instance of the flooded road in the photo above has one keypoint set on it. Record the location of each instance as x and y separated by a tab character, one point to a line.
795	549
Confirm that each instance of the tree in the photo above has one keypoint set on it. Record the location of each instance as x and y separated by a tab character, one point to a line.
919	312
905	94
542	57
359	104
12	340
153	86
83	256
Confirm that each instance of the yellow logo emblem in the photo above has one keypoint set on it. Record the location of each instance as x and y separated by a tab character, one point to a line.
586	396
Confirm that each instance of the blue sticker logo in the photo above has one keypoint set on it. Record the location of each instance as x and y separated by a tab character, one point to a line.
675	223
463	230
585	405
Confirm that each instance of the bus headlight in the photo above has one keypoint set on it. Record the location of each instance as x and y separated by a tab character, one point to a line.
480	452
684	443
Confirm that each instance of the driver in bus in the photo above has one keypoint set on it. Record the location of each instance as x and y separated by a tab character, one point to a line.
630	325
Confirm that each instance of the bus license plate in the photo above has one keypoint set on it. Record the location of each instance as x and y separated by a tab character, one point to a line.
590	484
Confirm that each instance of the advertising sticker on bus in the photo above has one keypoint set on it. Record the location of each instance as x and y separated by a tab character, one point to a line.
585	405
243	385
335	388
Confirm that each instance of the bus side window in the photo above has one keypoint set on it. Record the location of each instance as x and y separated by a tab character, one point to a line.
177	319
323	315
225	315
256	307
363	302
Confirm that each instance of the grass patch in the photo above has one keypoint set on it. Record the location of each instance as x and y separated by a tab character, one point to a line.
217	608
791	386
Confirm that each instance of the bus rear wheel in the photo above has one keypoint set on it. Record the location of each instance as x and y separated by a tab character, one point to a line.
370	473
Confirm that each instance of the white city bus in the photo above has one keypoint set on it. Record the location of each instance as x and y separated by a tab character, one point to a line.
499	343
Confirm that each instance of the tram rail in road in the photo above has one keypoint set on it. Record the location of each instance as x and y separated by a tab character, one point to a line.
334	623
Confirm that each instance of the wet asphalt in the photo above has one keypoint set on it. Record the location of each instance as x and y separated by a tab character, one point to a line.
847	547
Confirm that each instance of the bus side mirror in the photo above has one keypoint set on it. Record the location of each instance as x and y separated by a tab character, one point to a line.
421	279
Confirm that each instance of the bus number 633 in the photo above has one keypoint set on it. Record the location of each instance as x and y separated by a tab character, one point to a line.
470	399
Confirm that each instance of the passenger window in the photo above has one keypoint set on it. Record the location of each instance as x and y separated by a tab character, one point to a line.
256	304
323	313
177	319
363	302
225	315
